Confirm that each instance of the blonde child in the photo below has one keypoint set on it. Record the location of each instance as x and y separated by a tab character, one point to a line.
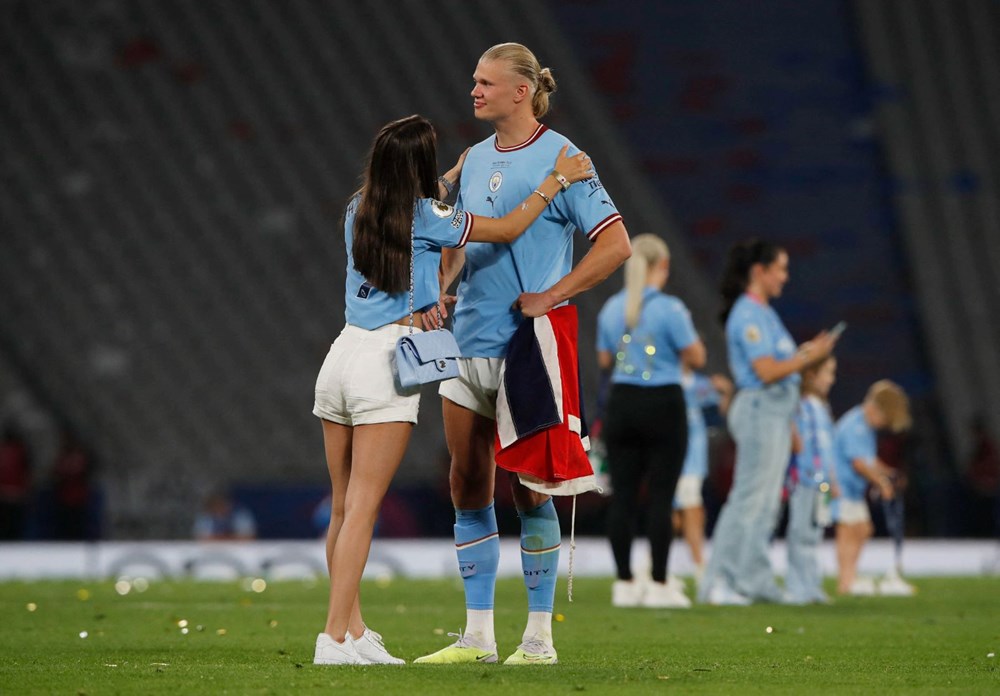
858	466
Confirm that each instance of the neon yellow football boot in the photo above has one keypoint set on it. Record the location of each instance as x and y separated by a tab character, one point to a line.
533	652
463	650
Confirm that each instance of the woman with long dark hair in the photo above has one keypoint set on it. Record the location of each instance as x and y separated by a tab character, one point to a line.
645	337
367	419
765	363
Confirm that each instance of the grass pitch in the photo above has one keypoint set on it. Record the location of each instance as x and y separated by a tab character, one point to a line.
241	641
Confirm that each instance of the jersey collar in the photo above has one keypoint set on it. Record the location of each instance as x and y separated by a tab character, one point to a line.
532	138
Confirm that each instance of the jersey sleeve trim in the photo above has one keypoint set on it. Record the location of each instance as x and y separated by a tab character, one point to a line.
466	230
603	225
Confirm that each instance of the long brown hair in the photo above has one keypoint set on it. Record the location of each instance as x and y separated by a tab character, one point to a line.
401	166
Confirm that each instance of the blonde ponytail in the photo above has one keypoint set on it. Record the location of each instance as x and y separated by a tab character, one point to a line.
647	250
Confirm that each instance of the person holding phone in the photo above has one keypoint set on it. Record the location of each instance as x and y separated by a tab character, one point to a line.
765	363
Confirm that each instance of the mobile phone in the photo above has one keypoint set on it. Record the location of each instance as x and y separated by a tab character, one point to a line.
838	329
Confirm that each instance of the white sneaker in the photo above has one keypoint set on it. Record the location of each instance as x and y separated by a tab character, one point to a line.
862	587
330	652
677	583
627	593
894	586
722	595
371	648
665	596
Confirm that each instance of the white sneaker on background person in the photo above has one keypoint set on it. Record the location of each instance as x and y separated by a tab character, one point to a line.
677	583
330	652
862	587
663	595
627	593
722	595
371	648
892	585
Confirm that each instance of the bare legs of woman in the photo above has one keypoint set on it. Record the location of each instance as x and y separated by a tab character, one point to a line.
362	461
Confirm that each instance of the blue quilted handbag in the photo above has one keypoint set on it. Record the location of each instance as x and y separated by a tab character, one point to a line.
423	358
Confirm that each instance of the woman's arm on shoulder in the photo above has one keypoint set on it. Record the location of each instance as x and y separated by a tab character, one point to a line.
513	224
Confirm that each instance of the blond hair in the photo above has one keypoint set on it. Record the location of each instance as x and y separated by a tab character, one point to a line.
523	62
647	251
889	398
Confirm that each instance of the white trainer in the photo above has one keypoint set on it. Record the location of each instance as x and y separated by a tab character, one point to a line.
862	587
894	586
371	648
722	595
330	652
627	593
665	596
677	583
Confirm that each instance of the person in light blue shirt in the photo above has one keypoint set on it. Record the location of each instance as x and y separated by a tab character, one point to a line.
700	392
645	337
394	231
812	483
856	450
765	363
500	286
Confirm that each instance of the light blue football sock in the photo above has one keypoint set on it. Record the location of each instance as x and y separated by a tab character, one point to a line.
540	539
478	547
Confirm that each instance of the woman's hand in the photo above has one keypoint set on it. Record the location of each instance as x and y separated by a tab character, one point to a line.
575	168
455	173
819	348
434	317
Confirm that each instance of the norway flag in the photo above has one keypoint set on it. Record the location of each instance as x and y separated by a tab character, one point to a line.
541	433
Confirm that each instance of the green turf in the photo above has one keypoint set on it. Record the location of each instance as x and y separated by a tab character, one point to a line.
242	642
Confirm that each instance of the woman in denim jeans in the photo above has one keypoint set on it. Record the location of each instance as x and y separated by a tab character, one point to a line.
765	363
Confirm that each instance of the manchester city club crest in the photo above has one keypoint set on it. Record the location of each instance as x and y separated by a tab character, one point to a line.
495	181
442	210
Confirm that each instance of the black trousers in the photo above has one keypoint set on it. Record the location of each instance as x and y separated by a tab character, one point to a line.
645	433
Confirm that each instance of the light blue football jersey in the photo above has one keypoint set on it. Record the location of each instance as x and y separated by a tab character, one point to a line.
816	463
754	330
494	181
649	354
699	393
854	439
435	225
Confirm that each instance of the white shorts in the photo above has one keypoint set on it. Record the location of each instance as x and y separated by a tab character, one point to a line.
688	493
852	511
476	386
357	383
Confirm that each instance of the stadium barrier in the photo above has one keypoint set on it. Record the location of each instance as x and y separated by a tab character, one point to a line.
420	558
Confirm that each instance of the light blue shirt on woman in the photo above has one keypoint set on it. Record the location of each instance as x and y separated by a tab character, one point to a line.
435	225
753	331
649	354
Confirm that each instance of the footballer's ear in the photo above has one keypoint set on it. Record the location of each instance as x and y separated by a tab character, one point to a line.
522	92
